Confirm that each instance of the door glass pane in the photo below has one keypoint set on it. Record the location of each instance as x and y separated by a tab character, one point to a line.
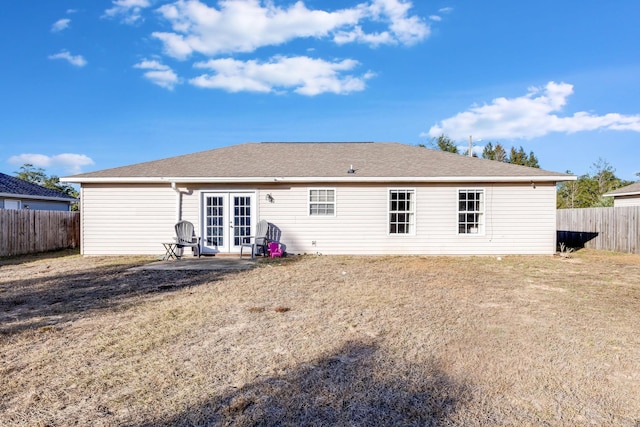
214	235
242	219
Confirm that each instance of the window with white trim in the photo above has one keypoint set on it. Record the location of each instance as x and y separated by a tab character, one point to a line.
322	202
470	211
401	211
12	204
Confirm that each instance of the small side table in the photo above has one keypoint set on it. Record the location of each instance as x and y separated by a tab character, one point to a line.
170	250
252	248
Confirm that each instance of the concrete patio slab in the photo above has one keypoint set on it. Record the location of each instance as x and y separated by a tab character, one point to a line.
200	264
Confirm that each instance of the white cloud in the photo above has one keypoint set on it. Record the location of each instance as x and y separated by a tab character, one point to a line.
130	11
71	163
159	74
219	28
60	24
530	116
175	45
405	28
445	10
148	64
435	18
164	78
357	35
402	28
76	60
246	25
306	76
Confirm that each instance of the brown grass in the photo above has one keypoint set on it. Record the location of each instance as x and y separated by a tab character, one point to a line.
322	341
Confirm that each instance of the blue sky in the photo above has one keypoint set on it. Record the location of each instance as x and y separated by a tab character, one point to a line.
93	85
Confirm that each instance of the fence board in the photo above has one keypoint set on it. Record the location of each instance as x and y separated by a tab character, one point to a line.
31	231
611	229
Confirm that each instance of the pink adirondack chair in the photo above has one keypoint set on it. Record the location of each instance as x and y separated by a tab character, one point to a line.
275	250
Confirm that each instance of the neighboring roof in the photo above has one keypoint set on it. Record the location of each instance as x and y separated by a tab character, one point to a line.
15	187
317	161
629	190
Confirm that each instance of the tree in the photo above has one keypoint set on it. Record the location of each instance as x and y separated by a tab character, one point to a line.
567	194
515	157
533	161
587	190
495	153
490	152
38	176
444	143
519	157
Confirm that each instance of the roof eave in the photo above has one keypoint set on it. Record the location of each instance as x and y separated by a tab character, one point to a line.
271	179
30	197
633	193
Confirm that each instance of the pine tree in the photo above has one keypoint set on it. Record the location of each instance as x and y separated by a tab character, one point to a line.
444	143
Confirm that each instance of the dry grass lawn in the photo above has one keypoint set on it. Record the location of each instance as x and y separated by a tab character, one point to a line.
319	340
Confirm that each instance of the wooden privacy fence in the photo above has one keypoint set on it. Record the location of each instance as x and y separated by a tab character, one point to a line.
611	229
26	231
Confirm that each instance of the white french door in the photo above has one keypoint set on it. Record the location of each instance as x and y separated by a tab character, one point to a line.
228	220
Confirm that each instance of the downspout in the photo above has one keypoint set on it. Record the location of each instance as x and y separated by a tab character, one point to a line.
178	200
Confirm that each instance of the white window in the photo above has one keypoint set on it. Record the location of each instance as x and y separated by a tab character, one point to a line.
322	202
12	204
401	211
471	211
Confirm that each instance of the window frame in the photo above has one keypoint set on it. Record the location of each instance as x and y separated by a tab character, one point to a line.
481	222
334	202
18	203
412	223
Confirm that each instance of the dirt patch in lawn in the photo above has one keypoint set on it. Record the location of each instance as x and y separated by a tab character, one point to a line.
320	340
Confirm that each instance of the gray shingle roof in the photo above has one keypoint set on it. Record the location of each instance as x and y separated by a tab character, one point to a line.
19	187
319	160
628	190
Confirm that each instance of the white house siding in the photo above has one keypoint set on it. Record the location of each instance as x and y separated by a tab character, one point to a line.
624	201
127	219
520	219
190	206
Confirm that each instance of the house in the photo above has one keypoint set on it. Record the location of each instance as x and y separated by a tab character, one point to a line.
16	193
328	198
626	196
